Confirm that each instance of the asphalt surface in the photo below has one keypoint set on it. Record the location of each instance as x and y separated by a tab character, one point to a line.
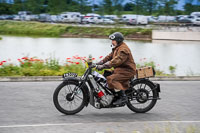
28	107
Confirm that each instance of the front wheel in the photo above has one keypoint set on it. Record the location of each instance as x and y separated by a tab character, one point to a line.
142	96
68	102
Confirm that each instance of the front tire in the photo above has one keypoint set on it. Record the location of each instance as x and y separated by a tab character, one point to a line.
63	101
145	93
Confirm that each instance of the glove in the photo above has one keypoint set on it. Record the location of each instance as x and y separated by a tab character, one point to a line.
100	62
107	65
100	67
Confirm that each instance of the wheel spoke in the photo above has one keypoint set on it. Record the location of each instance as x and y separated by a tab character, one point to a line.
78	97
70	89
145	86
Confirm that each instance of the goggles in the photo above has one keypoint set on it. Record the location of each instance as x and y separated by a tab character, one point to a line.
112	37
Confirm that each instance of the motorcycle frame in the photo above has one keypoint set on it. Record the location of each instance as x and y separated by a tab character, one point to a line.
85	83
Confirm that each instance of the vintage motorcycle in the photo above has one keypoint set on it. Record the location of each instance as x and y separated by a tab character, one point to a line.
74	93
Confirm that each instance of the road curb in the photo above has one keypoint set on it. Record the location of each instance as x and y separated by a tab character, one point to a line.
59	78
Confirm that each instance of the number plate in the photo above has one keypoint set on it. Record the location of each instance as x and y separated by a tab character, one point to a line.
70	75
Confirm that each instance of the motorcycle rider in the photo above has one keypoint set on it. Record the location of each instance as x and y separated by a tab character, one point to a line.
124	66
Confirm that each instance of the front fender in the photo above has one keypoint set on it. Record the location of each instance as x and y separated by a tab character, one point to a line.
79	81
65	80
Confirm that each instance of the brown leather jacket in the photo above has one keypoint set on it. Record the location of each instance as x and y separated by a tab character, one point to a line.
121	59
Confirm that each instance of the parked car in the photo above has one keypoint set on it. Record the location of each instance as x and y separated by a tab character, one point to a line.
34	17
195	14
143	20
71	17
93	15
130	19
54	18
6	17
3	17
152	19
16	18
127	17
88	20
9	17
27	17
24	13
196	20
166	19
44	17
98	20
112	17
108	21
185	19
121	21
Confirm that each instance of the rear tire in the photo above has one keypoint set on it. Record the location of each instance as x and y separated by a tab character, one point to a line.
66	98
152	103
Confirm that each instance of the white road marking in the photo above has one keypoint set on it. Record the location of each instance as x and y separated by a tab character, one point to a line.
41	125
72	124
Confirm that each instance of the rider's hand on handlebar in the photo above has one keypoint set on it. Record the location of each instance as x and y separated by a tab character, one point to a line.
100	62
100	67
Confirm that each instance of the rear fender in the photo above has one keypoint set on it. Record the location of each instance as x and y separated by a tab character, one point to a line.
84	86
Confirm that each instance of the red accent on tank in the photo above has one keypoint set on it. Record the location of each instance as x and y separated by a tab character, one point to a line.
100	94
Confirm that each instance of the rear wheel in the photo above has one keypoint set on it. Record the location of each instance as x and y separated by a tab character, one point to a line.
66	101
142	96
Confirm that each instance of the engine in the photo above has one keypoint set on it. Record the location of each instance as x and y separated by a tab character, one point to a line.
105	98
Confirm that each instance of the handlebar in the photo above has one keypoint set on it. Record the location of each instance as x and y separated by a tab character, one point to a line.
90	64
93	65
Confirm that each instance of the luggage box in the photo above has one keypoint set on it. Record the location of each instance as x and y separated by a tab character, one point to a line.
145	72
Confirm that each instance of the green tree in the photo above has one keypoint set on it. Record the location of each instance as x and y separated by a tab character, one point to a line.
167	7
84	6
72	6
150	5
57	6
129	6
117	4
35	6
107	7
139	6
189	7
18	6
6	8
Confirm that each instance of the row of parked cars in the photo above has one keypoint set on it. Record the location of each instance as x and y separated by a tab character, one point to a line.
92	18
192	19
65	17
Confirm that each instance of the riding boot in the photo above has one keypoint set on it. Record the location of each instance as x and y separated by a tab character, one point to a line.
123	98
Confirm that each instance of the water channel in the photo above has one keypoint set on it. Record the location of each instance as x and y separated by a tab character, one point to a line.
185	55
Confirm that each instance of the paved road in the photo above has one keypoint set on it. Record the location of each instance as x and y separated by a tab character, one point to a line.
28	107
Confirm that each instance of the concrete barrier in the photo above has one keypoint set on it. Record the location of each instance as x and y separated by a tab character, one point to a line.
183	36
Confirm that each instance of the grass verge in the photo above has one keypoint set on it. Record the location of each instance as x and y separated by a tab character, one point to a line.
57	30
